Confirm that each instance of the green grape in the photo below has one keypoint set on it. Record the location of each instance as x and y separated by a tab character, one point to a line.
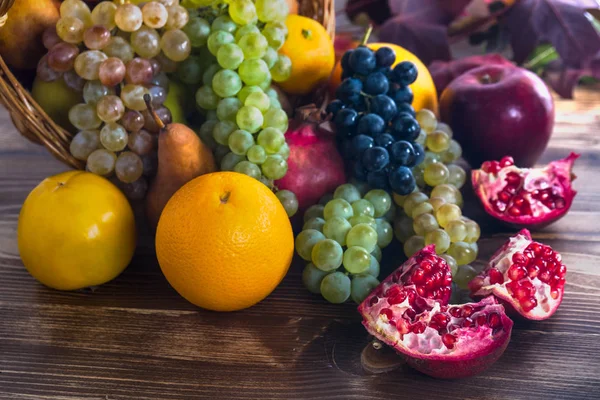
240	141
377	254
175	45
413	200
249	118
427	120
242	12
374	267
217	39
422	138
206	98
347	192
259	100
254	71
246	91
274	167
391	214
456	176
314	211
439	238
443	127
113	137
327	255
338	208
209	74
400	199
211	115
198	30
110	108
363	207
326	198
84	117
453	153
462	252
305	241
256	154
206	134
228	108
362	219
270	57
279	25
275	37
418	173
422	208
230	160
312	277
190	71
101	162
381	201
457	230
436	202
436	174
464	275
413	245
275	103
146	42
438	141
473	231
451	263
226	83
222	131
474	247
447	192
335	287
284	151
361	286
271	10
447	213
403	228
254	45
275	118
230	56
362	235
244	30
314	223
87	64
356	260
430	158
289	201
128	17
282	69
84	143
385	233
248	168
424	223
224	23
221	151
337	228
104	14
95	90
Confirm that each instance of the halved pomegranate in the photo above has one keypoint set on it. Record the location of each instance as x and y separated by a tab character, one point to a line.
525	197
409	311
526	275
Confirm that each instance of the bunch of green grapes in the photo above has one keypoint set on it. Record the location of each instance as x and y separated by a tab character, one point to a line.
437	219
342	241
441	153
114	55
245	124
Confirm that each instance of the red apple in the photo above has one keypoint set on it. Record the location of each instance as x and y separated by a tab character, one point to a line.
499	110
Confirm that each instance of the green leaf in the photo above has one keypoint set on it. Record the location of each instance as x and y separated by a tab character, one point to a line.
540	58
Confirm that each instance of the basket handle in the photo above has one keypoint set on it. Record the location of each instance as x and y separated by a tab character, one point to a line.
5	5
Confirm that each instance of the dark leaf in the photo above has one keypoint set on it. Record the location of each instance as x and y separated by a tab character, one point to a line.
420	26
377	10
444	72
562	23
563	79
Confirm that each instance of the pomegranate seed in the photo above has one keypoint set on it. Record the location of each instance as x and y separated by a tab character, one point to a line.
430	283
374	300
486	166
494	167
533	271
513	178
397	299
496	276
453	327
387	312
559	203
494	320
481	320
557	257
393	291
440	319
444	293
544	197
512	190
476	284
427	266
409	314
526	283
455	312
447	280
516	272
536	248
521	293
411	296
519	201
467	311
507	161
468	322
554	293
449	340
504	197
403	326
500	206
514	211
528	304
544	276
418	327
561	270
519	258
421	291
418	276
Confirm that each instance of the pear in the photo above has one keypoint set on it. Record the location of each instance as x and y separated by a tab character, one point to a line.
21	36
181	157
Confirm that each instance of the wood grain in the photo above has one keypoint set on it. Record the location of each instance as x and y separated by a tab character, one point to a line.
135	338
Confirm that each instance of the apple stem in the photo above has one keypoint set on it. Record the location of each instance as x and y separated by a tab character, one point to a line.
485	79
365	38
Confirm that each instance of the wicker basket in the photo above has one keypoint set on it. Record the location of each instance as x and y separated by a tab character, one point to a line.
37	126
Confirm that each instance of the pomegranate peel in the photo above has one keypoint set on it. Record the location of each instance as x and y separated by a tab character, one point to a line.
525	197
409	311
527	276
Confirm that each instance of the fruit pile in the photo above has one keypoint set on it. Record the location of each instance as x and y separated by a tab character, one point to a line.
342	240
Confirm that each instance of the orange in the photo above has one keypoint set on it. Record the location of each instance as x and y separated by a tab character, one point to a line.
310	49
224	241
423	88
76	230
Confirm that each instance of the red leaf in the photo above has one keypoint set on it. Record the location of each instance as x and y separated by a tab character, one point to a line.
563	79
562	23
420	26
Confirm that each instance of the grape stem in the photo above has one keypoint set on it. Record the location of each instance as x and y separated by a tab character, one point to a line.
148	101
365	38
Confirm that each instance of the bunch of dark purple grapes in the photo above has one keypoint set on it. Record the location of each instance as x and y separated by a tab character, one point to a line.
375	121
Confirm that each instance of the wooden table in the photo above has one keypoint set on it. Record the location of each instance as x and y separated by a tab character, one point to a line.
135	338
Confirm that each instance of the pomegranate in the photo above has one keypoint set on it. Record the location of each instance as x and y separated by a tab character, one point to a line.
409	311
525	197
527	276
315	167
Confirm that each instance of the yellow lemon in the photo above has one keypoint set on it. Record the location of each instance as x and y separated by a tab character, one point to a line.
75	230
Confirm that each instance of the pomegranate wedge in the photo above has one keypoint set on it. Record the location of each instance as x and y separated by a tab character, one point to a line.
409	311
